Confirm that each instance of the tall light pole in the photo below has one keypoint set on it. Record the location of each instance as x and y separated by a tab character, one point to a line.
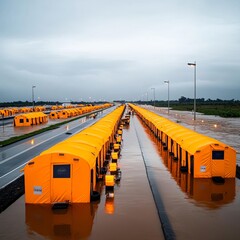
153	96
168	95
33	96
194	64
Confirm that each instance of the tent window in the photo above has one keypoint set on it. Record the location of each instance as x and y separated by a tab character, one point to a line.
21	120
217	155
61	171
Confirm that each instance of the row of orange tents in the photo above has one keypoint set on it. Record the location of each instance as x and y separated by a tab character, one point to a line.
29	119
68	171
7	112
72	112
200	155
35	118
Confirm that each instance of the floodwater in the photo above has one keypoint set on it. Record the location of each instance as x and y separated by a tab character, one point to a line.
195	208
131	214
189	208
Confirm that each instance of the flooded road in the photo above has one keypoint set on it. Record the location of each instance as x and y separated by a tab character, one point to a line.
196	208
188	208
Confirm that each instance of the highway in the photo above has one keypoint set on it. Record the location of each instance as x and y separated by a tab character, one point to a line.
6	121
14	157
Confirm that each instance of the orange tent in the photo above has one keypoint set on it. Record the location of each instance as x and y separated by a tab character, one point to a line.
67	172
29	119
202	156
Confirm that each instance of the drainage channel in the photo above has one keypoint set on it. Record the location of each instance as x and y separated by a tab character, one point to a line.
166	225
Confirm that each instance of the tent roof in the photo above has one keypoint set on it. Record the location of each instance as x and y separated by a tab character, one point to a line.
86	140
32	115
97	131
82	152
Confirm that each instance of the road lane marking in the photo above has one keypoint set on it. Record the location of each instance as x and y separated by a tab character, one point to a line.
13	170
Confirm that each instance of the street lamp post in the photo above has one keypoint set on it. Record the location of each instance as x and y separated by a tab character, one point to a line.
195	91
153	96
33	96
168	95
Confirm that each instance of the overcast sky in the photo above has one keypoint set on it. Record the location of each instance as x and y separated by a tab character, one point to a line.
108	49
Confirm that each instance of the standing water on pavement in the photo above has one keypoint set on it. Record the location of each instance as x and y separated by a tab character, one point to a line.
190	208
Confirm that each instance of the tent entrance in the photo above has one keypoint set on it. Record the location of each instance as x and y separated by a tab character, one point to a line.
61	186
218	163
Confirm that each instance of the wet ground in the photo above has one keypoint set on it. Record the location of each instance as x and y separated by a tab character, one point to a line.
188	208
131	214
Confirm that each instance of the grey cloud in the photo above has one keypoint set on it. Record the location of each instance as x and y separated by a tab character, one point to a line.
118	49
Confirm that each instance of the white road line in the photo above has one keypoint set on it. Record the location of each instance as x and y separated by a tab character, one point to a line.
13	170
11	181
6	160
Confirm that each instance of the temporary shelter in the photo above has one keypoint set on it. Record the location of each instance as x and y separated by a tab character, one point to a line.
25	109
29	119
39	109
67	172
60	174
53	115
200	155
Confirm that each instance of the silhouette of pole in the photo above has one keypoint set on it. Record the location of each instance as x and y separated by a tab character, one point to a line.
195	90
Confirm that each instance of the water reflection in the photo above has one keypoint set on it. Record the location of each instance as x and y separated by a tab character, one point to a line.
109	205
205	192
75	222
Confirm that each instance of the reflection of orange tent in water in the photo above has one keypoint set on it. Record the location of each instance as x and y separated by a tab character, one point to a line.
212	194
75	222
203	190
109	205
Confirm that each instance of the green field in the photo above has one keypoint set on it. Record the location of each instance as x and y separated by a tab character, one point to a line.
221	110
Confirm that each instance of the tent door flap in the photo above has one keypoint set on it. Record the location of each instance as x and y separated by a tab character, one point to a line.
61	183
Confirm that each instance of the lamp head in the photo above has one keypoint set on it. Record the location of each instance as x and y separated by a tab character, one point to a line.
191	64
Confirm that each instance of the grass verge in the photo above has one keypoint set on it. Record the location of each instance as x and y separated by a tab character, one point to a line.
225	111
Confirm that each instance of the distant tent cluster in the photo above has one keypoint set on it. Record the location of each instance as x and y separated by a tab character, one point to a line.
201	156
29	119
72	112
7	112
39	109
68	171
35	118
